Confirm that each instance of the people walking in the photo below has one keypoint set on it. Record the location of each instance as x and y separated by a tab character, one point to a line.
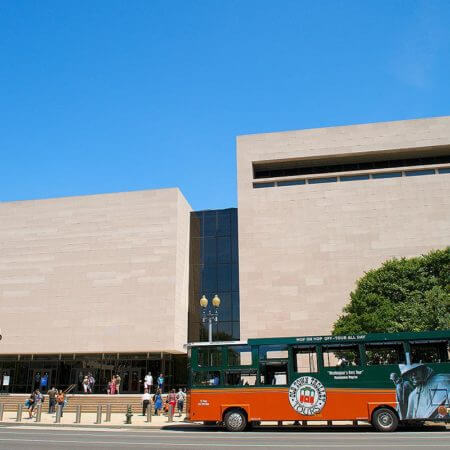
112	385
52	400
148	382
161	383
86	384
172	401
61	400
30	403
157	399
145	401
43	385
91	380
117	381
180	401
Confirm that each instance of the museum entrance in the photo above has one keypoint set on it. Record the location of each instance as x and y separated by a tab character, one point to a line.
132	378
41	379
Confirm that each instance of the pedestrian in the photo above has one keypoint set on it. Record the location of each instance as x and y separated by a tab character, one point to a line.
85	384
145	401
112	385
52	400
37	402
61	400
91	383
161	383
117	381
30	404
172	401
148	382
180	401
157	400
43	385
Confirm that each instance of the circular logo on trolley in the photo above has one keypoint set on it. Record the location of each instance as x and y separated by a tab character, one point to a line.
307	395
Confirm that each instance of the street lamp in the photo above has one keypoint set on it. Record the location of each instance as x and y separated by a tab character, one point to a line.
211	315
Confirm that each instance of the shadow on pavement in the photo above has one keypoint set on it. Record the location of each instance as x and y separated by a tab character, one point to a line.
300	429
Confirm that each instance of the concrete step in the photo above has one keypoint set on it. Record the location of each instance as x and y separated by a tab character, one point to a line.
119	403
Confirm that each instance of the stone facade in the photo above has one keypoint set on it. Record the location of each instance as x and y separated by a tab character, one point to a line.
303	247
100	273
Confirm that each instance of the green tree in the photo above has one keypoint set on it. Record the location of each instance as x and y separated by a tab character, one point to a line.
408	294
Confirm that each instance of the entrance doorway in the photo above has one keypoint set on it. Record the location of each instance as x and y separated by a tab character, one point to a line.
42	379
132	378
6	376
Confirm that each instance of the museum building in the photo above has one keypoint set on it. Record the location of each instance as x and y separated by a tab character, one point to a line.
111	283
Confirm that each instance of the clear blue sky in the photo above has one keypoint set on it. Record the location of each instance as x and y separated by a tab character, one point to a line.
106	96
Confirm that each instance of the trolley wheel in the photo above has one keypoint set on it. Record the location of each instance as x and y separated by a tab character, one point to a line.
384	419
235	420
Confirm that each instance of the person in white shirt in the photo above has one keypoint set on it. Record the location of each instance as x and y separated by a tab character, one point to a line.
180	401
145	401
148	382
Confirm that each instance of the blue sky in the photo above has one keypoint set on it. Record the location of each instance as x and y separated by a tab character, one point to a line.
106	96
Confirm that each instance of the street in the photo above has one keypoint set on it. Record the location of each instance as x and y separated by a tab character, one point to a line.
20	437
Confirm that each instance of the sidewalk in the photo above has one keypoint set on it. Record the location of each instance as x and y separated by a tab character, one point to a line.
89	420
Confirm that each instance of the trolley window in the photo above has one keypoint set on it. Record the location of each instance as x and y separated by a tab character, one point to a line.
305	359
209	356
341	356
382	354
239	355
211	378
429	351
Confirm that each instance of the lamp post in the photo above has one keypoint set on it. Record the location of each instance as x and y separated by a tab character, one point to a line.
210	315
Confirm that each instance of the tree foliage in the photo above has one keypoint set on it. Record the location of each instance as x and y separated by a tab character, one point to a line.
408	294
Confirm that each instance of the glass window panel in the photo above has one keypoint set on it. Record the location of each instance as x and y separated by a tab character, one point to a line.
235	303
225	309
209	279
415	173
224	223
291	183
379	354
224	277
210	253
224	331
354	177
341	356
236	331
387	175
263	185
322	180
196	225
224	249
235	277
210	222
196	251
209	356
211	378
241	378
234	249
240	355
429	352
444	170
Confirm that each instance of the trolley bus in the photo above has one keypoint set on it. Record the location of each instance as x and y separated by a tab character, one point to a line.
385	379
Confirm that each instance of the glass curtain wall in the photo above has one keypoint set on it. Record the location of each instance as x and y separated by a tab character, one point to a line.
27	372
214	269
